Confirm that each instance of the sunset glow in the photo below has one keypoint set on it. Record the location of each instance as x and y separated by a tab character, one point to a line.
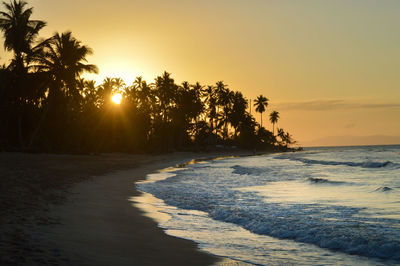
296	53
300	99
116	98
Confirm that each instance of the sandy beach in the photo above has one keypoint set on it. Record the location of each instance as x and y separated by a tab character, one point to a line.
76	210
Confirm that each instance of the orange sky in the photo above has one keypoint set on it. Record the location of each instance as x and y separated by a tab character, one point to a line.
331	68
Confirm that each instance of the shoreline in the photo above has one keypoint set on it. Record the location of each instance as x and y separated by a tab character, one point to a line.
101	226
95	222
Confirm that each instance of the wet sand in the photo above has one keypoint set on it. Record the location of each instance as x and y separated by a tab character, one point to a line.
76	210
101	226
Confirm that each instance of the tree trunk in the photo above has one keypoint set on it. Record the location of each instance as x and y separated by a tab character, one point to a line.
41	121
20	136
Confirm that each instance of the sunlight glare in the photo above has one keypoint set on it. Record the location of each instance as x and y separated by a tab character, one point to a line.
116	98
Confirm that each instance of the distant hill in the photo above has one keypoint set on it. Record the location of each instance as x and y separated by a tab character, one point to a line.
353	140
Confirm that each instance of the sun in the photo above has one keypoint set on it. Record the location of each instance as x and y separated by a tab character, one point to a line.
116	98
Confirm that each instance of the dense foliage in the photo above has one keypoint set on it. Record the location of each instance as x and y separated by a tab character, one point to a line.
45	104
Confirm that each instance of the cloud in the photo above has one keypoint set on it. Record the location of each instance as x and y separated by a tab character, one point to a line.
327	105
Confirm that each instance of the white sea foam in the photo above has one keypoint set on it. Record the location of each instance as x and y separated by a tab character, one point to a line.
300	197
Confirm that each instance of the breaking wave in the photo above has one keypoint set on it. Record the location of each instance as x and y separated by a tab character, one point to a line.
367	164
316	224
324	181
283	197
383	189
241	170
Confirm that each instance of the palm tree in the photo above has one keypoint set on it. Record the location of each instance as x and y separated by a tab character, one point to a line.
261	103
247	129
64	58
273	117
90	93
144	93
281	133
238	110
224	100
289	139
211	101
198	88
119	84
166	91
198	104
105	91
19	31
220	91
286	138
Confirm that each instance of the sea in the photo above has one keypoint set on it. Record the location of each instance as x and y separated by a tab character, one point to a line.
320	206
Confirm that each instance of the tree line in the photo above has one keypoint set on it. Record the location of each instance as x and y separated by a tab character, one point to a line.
46	105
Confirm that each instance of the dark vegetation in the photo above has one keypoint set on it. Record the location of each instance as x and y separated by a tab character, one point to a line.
45	104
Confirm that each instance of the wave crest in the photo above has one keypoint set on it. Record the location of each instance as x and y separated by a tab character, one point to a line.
383	189
367	164
324	181
241	170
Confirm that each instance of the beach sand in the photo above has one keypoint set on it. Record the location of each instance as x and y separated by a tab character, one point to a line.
77	210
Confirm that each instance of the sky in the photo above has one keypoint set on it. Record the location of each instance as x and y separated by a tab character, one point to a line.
331	68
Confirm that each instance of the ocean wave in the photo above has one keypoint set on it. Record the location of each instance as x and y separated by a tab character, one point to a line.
307	223
375	164
367	164
338	225
241	170
324	181
383	189
352	237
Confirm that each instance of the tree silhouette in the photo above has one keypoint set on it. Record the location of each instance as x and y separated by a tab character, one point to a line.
145	95
273	117
165	90
19	30
286	138
238	111
19	33
211	101
118	84
224	100
105	91
45	100
63	58
261	103
198	105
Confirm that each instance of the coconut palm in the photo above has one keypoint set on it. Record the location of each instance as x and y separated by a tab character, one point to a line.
286	138
144	93
105	91
281	133
119	84
166	91
273	117
64	58
198	103
19	30
90	92
211	102
19	33
224	97
221	93
238	110
261	103
198	87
